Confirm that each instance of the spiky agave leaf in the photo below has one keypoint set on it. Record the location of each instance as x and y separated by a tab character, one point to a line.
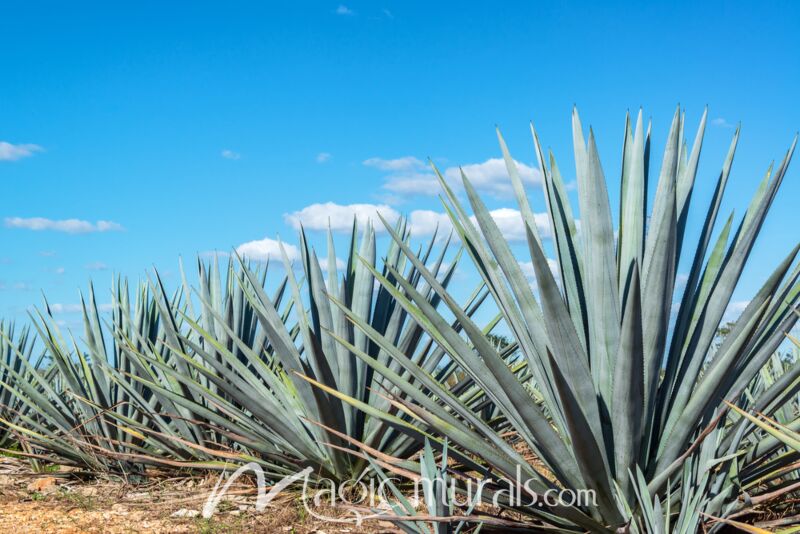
618	393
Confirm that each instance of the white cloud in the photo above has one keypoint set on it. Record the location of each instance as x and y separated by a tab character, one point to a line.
491	176
11	152
267	249
97	266
59	270
230	154
509	222
344	10
413	183
722	123
340	217
425	222
406	176
47	253
322	157
530	273
421	222
323	264
70	226
734	310
406	163
16	286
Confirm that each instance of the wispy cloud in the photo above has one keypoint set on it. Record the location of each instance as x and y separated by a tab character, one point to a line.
407	163
322	157
59	308
97	266
722	123
408	176
47	253
70	226
59	270
11	152
16	286
230	154
344	10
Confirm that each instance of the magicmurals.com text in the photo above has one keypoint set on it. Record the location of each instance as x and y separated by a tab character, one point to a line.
359	494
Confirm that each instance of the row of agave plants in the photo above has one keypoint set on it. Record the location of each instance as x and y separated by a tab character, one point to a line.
616	379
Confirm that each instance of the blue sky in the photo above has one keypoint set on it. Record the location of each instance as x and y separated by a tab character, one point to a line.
133	133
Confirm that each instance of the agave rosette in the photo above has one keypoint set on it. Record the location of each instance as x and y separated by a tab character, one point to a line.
631	388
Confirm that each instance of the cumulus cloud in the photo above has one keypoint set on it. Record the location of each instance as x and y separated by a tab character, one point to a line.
322	157
408	177
11	152
509	222
70	226
344	10
267	249
340	217
491	176
230	154
421	222
425	222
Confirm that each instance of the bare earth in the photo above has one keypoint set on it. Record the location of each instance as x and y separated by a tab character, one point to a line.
62	502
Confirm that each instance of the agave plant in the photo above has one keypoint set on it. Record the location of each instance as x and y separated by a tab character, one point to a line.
631	386
246	358
85	410
15	350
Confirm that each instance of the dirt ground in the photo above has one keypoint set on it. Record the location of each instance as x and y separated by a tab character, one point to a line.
64	503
